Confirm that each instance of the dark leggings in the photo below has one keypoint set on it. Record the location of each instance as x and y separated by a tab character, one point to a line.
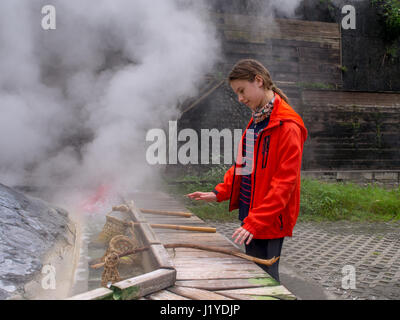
266	249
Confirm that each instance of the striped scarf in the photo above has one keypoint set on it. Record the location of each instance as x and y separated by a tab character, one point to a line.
263	112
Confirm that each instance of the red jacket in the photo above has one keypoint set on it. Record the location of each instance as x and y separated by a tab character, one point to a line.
275	190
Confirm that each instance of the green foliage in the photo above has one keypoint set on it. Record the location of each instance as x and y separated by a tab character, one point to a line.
389	12
347	201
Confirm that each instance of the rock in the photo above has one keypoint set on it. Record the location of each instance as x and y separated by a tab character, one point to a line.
29	227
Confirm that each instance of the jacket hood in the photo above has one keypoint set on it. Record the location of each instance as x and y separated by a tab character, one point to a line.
284	112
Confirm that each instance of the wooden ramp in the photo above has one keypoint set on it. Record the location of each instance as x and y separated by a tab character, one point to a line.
204	275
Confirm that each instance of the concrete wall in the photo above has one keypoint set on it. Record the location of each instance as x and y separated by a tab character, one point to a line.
362	177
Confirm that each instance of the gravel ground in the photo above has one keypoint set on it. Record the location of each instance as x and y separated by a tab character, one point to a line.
339	260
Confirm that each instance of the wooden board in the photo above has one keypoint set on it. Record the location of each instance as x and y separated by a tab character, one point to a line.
343	98
275	291
238	296
166	295
95	294
226	260
195	254
201	274
205	275
142	285
209	239
197	294
226	284
219	262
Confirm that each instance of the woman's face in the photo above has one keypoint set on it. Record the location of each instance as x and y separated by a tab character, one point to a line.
252	94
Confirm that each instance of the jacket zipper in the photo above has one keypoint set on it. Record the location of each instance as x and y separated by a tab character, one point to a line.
255	168
280	218
233	183
265	151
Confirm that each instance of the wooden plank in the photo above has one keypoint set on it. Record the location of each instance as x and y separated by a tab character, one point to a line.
193	237
196	254
165	295
161	257
218	266
226	259
275	291
227	284
343	98
261	36
185	274
237	296
147	234
96	294
197	294
134	212
281	27
143	285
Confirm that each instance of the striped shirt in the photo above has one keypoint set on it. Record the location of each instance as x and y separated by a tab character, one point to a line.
248	149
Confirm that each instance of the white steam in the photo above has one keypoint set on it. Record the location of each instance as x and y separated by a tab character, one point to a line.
76	102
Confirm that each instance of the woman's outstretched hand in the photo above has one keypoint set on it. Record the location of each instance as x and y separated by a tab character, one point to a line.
205	196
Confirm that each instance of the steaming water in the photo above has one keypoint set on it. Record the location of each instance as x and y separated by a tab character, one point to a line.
86	278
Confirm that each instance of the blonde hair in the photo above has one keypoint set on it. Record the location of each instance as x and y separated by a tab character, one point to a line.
247	69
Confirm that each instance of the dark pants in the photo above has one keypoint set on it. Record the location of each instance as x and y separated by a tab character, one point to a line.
266	249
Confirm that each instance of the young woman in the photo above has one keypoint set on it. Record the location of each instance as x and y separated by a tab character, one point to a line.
267	195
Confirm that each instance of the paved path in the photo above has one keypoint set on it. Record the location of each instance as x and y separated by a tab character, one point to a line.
313	259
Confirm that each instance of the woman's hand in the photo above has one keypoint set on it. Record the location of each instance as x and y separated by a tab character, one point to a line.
241	235
205	196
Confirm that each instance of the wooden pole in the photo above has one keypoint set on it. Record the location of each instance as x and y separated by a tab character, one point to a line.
176	227
266	262
187	228
167	213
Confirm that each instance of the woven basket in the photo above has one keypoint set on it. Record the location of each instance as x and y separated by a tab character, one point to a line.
112	228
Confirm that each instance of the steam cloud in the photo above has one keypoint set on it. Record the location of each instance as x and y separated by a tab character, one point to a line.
76	101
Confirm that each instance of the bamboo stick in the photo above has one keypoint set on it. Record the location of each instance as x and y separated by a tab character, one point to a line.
167	213
170	226
187	228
